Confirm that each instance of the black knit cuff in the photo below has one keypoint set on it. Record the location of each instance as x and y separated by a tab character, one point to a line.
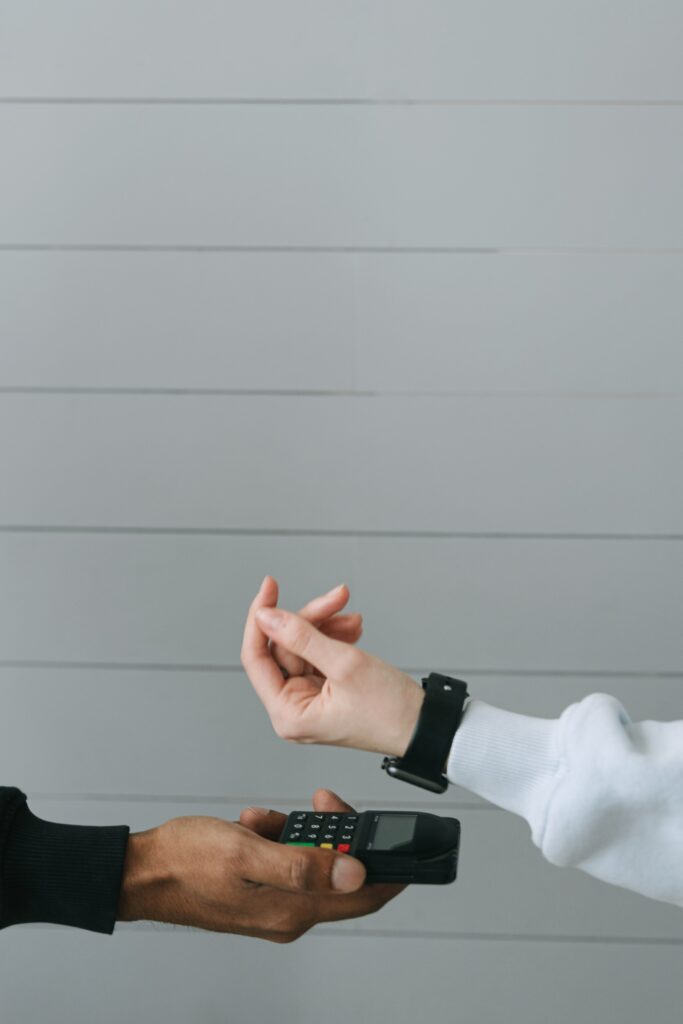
61	874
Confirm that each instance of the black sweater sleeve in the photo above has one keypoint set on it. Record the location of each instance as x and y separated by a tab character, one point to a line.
60	874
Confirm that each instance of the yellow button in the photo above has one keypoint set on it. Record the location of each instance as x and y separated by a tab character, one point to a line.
326	846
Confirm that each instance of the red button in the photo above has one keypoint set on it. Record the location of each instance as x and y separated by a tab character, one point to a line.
344	847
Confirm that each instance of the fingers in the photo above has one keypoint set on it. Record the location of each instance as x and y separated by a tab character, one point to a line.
298	636
268	824
302	869
299	869
265	676
322	612
321	608
285	916
321	885
347	628
327	801
367	900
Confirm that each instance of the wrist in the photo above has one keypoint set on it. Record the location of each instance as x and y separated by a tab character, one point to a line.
422	762
406	721
145	878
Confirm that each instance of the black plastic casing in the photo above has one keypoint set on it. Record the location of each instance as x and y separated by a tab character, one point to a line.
393	768
430	858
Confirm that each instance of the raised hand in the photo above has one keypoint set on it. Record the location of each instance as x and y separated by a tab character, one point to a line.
338	695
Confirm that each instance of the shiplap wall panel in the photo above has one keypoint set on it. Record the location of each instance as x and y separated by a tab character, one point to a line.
178	714
519	464
529	323
447	322
322	49
175	977
253	321
484	604
498	868
342	176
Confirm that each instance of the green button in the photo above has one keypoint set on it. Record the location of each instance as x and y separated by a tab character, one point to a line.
300	844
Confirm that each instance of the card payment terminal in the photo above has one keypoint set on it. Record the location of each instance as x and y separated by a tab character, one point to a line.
394	846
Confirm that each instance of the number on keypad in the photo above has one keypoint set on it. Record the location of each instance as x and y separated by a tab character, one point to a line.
333	831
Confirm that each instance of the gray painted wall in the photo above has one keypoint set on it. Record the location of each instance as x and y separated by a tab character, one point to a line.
383	292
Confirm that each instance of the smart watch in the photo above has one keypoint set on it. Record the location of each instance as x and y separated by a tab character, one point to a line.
440	715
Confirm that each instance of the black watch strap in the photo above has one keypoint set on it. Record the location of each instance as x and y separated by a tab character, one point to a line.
440	715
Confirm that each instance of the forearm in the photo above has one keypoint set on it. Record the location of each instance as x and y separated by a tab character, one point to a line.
600	793
235	877
58	874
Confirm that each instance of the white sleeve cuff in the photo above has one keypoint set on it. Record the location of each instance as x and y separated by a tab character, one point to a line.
512	760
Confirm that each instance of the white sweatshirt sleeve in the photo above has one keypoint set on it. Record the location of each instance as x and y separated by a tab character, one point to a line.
600	792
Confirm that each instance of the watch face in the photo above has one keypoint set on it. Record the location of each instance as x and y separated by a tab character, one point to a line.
438	785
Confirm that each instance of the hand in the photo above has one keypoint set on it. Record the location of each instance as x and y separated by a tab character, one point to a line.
341	695
229	877
322	612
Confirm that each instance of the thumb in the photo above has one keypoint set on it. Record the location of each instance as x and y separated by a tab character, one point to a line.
303	870
298	636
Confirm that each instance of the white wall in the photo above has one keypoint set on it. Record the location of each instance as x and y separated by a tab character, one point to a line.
382	292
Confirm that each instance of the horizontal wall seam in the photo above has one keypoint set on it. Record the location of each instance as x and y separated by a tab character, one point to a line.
219	669
243	801
198	392
374	933
219	531
322	101
336	250
394	933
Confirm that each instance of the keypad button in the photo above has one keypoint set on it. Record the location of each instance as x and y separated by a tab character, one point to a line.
346	838
310	835
326	846
343	848
328	836
294	837
334	817
298	826
319	817
301	817
315	826
351	817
